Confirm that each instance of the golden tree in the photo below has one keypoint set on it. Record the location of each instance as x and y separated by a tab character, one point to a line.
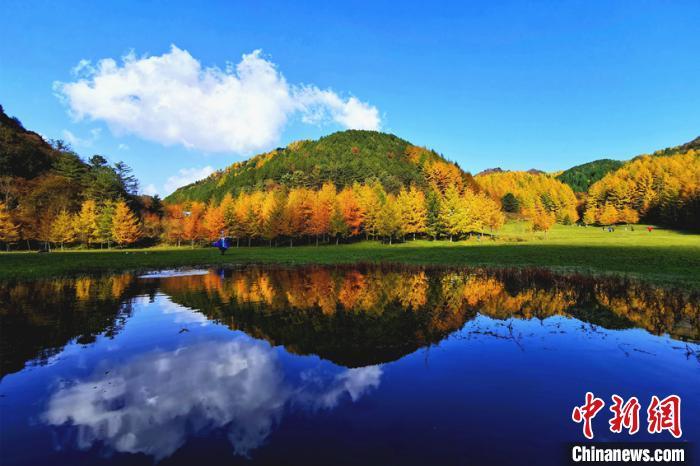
389	220
213	220
193	229
608	215
323	207
86	227
452	212
62	229
126	228
542	219
590	216
349	207
9	232
174	223
414	212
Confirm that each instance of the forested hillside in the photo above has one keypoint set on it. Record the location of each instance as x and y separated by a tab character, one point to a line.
343	158
657	189
344	187
581	177
534	196
49	194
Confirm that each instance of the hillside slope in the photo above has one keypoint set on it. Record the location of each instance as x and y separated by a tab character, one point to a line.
23	153
581	177
344	158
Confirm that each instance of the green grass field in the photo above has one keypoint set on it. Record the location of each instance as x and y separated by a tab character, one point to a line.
662	256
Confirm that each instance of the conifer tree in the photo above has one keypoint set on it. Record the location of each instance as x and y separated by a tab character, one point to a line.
125	226
9	232
434	227
62	229
86	227
213	221
104	224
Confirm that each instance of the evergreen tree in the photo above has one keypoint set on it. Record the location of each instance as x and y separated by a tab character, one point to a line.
434	227
510	203
104	224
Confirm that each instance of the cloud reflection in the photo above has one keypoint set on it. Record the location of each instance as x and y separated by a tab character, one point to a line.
152	404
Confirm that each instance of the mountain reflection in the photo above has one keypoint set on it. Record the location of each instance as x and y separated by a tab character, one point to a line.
153	403
353	316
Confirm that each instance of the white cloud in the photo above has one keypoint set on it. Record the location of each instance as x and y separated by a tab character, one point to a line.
152	403
186	176
150	190
122	147
173	99
76	141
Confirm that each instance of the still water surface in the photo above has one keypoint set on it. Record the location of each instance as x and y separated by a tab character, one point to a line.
334	365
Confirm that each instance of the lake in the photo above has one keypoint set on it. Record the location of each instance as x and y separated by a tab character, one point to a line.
334	365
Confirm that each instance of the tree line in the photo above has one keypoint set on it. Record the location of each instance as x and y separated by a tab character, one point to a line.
656	189
280	216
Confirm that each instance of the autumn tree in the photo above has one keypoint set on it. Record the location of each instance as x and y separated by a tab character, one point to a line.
174	223
413	210
62	229
542	219
371	198
9	232
452	213
126	228
352	212
628	215
86	227
322	209
193	229
389	220
213	221
433	224
338	227
608	215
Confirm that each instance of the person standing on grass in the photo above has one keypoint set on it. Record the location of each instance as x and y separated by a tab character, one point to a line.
222	243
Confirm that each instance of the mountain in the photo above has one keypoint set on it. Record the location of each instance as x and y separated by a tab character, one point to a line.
23	153
344	158
683	148
488	171
581	177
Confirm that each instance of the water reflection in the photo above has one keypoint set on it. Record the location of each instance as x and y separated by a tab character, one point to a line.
353	316
154	402
302	365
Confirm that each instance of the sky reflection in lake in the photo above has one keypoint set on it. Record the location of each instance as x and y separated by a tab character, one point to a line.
322	365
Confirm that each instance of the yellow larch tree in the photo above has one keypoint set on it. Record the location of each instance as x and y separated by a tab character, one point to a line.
86	227
126	228
9	232
62	229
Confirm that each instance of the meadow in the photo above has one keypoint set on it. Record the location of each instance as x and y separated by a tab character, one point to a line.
662	256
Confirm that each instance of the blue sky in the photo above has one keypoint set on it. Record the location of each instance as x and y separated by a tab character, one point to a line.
511	84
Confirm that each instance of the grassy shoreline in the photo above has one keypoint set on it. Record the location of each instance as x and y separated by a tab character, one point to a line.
663	256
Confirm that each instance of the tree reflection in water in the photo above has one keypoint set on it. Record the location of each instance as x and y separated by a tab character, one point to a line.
353	316
208	356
